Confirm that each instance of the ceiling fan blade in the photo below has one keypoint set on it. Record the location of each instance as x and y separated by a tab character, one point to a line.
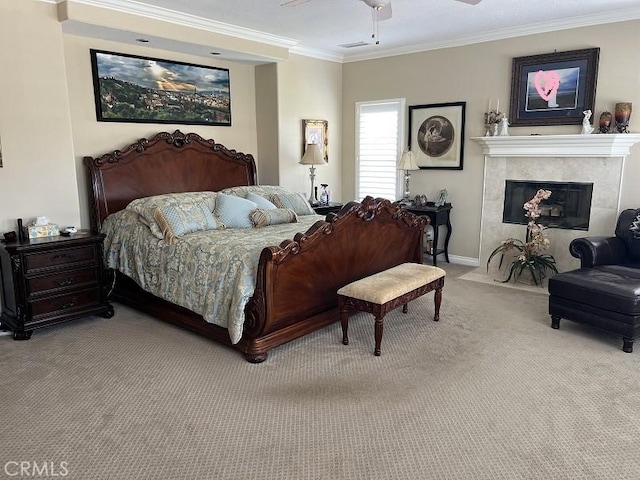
470	2
384	13
293	3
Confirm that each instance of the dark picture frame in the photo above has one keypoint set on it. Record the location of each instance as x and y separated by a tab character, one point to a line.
316	131
436	135
135	89
553	88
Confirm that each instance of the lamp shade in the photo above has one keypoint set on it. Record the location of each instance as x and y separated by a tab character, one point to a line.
312	155
407	161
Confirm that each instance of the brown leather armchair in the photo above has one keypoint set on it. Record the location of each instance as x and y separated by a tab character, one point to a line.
605	291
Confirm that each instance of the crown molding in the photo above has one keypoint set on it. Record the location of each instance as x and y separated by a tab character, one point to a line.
503	33
186	20
597	145
316	53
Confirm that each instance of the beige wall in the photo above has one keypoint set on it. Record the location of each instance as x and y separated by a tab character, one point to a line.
38	177
474	74
267	123
91	137
309	89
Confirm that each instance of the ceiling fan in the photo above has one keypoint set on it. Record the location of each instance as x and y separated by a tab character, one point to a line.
381	10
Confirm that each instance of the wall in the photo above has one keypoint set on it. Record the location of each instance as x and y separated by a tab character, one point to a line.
474	74
38	177
91	137
309	89
266	112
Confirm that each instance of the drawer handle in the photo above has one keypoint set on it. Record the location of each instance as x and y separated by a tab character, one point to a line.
68	304
64	283
59	256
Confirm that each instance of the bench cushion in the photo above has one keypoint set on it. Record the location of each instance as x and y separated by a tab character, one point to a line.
383	287
610	287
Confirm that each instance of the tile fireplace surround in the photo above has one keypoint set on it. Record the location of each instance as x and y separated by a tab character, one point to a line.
598	159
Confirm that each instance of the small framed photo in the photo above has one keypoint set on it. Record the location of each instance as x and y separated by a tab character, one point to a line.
436	135
316	131
553	88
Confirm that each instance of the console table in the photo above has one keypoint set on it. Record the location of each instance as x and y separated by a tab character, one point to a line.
438	216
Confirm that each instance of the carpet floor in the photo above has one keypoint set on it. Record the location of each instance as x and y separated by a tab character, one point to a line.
489	392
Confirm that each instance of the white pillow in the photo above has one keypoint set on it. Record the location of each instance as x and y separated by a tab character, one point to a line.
262	202
234	211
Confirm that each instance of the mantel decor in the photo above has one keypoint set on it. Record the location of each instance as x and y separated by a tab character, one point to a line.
133	89
553	88
436	135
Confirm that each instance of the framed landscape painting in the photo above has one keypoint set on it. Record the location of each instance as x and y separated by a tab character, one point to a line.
436	135
128	88
553	88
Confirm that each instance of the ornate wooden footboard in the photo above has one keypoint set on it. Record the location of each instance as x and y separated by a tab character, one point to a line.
297	281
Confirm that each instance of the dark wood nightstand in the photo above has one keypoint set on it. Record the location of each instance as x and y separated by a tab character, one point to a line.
438	216
332	207
51	280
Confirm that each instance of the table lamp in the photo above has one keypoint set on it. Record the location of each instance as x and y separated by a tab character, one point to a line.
407	163
312	156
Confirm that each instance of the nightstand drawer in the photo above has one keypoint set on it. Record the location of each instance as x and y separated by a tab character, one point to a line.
54	258
61	280
63	304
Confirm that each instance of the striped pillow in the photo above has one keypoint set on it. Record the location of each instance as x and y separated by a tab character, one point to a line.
274	216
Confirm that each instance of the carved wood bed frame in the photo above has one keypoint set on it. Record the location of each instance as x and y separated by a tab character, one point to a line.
297	281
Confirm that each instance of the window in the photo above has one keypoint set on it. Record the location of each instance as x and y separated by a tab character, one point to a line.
379	133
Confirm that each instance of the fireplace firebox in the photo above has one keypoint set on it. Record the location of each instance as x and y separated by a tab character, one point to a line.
568	207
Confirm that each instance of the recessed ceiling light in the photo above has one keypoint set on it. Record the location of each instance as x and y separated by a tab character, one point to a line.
142	40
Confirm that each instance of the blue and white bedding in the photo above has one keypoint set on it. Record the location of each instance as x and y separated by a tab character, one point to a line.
211	271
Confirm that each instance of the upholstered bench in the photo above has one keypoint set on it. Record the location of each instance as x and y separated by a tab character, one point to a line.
380	293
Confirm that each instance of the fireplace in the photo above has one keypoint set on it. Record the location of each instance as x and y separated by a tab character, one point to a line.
568	207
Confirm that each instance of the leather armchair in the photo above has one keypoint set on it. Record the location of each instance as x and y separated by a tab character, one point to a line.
605	291
622	249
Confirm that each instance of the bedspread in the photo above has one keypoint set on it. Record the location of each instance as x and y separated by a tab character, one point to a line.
212	273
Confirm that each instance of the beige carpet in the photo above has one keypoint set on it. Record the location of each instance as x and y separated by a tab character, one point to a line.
490	392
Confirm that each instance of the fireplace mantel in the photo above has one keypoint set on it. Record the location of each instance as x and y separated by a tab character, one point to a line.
610	145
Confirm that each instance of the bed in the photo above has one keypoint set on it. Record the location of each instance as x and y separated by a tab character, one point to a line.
295	280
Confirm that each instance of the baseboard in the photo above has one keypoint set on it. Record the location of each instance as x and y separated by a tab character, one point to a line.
468	261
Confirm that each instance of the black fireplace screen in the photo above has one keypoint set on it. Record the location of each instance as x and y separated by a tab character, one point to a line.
568	207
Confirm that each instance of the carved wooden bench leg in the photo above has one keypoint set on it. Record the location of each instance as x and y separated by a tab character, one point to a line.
437	300
378	334
344	320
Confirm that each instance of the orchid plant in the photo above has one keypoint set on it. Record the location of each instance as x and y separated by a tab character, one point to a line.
528	256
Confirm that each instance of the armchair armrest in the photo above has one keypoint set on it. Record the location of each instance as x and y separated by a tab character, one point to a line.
594	251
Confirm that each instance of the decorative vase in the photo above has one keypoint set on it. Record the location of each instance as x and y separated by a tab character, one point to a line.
623	113
605	122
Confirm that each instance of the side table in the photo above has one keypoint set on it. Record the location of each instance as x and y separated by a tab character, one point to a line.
323	209
51	280
438	217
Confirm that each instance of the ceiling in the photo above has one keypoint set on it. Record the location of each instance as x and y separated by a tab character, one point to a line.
318	27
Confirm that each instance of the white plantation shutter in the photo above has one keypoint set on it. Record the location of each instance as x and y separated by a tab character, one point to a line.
379	133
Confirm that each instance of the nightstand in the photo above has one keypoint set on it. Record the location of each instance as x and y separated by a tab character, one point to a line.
332	207
51	280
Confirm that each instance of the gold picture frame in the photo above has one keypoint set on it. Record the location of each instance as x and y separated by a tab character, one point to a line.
316	131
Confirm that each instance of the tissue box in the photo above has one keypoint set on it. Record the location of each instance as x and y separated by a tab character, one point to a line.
36	231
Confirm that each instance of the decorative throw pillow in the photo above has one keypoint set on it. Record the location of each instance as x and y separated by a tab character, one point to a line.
177	220
293	201
264	190
261	201
273	216
234	211
634	228
146	206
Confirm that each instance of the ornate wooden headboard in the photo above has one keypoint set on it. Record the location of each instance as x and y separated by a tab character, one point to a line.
168	163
